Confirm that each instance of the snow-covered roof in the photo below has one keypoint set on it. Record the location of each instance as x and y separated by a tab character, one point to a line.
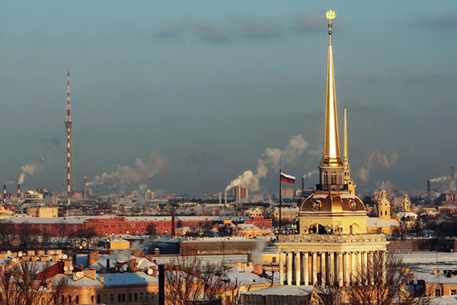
283	290
246	277
379	222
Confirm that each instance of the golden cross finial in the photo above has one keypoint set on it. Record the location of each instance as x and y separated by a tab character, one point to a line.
330	15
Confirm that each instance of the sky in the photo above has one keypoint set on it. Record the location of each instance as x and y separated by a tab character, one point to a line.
187	96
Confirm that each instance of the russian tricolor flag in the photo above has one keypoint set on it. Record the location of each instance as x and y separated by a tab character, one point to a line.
287	178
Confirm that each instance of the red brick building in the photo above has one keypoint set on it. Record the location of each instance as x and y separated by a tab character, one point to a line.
115	225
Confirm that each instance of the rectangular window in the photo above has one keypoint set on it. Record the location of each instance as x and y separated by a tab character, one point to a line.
123	298
135	298
152	296
111	298
453	292
437	292
99	298
141	297
147	296
119	297
77	299
130	297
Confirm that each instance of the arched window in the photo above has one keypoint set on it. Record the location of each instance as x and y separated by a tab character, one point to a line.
333	178
325	178
341	178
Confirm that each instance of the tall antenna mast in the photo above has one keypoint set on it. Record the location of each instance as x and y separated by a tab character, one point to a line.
69	161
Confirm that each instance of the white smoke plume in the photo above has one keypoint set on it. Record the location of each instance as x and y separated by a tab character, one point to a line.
376	155
31	168
10	182
127	175
386	186
311	173
441	179
143	187
274	158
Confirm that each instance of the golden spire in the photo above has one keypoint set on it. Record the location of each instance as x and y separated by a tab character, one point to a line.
331	141
345	135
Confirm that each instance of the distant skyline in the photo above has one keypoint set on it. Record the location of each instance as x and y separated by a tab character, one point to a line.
188	95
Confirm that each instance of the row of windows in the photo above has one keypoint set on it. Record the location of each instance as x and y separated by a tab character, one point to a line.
132	297
333	178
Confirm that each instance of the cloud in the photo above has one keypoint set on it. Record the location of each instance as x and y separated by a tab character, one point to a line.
311	21
443	21
205	29
383	159
30	168
272	157
126	175
260	28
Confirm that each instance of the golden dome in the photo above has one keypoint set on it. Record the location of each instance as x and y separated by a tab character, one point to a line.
325	202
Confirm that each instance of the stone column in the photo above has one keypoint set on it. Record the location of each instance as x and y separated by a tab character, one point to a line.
305	268
365	267
359	268
370	268
314	268
281	267
331	267
323	269
353	269
340	269
347	272
289	268
297	268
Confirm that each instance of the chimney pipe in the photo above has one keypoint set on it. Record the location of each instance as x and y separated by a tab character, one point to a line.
225	197
18	191
4	192
173	224
220	197
303	183
428	189
85	186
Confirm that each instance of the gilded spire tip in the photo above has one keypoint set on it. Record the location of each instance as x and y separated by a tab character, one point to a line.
330	15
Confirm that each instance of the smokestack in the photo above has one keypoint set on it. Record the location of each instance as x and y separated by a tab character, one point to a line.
18	191
4	192
173	224
428	189
220	197
85	187
225	197
303	183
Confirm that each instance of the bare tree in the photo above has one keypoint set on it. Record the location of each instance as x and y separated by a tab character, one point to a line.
383	282
21	285
189	280
330	294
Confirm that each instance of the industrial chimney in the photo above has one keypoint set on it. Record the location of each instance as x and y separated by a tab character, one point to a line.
4	192
428	190
85	187
303	183
18	191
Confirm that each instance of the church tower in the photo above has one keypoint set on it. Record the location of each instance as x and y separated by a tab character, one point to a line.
332	208
332	245
347	169
406	204
384	207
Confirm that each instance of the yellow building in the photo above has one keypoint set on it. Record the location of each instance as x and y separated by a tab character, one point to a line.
333	243
118	243
383	223
43	212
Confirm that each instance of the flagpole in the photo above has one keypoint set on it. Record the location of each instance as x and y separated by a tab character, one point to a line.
280	204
